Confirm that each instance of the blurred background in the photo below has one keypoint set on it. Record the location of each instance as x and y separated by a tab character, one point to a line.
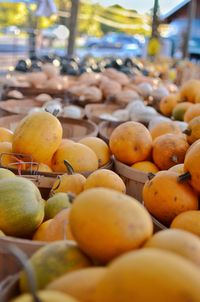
102	28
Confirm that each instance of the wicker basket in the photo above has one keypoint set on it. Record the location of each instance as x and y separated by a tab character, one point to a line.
106	128
8	263
43	180
133	179
9	288
94	111
73	99
32	91
74	129
11	107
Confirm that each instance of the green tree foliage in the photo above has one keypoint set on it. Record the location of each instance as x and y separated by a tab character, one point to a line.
19	14
13	14
87	24
97	20
63	6
44	22
127	21
94	19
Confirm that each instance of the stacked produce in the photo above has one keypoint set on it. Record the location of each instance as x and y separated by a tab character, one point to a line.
109	84
39	136
102	247
163	67
170	146
46	216
113	255
48	77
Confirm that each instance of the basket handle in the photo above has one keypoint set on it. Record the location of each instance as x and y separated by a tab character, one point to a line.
23	260
18	157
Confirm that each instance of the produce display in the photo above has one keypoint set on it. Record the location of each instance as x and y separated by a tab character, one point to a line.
48	149
98	243
108	85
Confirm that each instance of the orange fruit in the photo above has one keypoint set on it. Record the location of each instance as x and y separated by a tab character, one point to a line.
6	135
80	284
80	157
107	223
177	241
99	147
164	127
146	166
105	179
168	103
180	109
169	149
165	197
136	273
191	112
131	142
188	221
55	229
41	234
190	91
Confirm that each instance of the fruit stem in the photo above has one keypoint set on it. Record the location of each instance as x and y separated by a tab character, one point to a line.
69	167
55	112
184	177
22	258
187	131
71	197
52	192
150	176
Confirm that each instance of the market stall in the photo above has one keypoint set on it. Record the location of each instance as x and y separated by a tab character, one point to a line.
99	178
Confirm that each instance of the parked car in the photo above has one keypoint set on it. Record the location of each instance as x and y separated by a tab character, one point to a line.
92	41
115	41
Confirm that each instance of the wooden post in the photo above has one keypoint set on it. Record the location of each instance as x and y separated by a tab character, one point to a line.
191	16
155	22
32	43
154	43
32	33
73	27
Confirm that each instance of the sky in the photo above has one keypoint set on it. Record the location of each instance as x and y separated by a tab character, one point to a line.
141	6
